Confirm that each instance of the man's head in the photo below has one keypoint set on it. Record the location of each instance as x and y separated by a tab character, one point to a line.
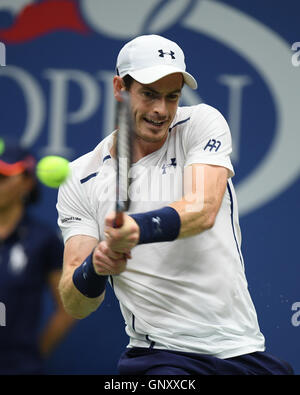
149	58
152	68
17	175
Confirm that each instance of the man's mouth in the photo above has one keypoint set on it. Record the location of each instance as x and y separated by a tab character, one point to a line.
154	122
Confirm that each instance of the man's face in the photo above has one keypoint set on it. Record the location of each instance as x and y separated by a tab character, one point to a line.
154	107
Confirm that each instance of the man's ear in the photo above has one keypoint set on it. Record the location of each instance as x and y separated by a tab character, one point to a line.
119	86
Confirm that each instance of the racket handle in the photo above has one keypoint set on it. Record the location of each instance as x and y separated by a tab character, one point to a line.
119	220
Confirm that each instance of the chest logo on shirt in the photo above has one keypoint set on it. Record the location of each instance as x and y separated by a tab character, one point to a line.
167	165
213	144
18	259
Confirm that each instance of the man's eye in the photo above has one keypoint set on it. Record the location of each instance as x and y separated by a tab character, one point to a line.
149	95
173	97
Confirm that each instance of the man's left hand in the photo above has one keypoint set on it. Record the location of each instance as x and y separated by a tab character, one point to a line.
121	239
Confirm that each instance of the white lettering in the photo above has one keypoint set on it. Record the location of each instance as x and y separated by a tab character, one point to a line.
171	384
296	316
121	385
2	314
2	54
235	84
59	116
194	187
34	99
296	56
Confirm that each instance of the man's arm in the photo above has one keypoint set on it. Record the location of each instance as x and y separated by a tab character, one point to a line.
205	188
202	200
105	262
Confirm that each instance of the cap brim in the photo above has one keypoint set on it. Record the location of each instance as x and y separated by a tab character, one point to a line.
153	74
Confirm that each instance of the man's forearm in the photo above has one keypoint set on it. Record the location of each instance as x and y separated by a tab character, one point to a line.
75	303
194	218
205	188
193	214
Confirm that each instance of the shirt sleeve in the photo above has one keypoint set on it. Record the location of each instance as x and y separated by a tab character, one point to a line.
75	215
208	139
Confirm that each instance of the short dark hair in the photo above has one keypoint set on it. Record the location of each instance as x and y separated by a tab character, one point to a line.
128	80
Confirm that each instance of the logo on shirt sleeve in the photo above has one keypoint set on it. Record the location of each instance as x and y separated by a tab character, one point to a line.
70	219
213	145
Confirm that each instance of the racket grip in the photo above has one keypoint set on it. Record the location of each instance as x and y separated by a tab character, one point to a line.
119	220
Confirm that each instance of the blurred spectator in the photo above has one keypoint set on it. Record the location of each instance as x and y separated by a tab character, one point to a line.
31	256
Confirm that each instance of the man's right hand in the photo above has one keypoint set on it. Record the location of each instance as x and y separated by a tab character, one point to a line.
105	261
108	262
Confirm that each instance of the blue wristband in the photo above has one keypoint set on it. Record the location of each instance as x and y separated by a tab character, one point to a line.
158	225
87	281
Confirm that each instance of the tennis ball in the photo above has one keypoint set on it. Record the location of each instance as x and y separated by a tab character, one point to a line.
52	170
2	146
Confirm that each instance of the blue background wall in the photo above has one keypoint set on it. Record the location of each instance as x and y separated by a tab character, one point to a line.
56	96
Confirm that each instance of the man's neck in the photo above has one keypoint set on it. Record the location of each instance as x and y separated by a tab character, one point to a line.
140	148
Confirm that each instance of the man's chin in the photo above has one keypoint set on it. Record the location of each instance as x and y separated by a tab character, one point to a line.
154	133
153	136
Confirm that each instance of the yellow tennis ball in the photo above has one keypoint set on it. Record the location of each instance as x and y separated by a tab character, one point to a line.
52	170
2	146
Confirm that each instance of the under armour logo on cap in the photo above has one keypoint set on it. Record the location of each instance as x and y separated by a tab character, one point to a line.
162	53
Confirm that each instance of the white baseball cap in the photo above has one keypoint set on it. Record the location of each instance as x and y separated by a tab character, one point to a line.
149	58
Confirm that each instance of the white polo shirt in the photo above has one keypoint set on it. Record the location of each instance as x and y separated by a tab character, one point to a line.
190	294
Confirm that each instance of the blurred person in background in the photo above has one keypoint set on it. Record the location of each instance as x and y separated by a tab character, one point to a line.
31	255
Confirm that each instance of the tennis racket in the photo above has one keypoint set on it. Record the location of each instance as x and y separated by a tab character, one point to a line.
125	128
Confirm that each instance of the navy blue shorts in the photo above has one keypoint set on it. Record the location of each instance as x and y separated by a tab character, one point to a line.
147	361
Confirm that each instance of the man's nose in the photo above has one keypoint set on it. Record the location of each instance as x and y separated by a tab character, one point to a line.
160	107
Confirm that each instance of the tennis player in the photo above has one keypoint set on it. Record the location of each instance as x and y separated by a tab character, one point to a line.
176	264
